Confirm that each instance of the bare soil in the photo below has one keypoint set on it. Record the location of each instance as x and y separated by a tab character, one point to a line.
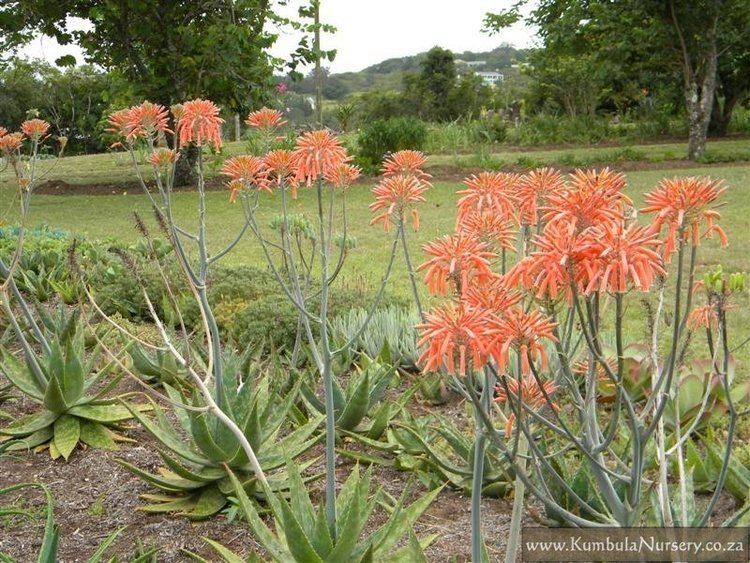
94	496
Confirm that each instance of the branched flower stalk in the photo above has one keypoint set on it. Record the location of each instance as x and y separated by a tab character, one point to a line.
197	124
33	133
542	331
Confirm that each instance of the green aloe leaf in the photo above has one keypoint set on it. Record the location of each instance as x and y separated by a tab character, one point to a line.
357	405
227	555
296	538
168	438
67	434
174	484
30	424
97	436
104	413
20	376
210	502
266	537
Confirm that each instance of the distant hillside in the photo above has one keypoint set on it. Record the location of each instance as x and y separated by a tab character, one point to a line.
387	75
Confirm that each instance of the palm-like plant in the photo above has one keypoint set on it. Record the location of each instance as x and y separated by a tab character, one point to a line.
71	387
195	480
300	532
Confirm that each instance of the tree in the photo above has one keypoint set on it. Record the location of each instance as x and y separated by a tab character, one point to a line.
437	81
641	41
170	50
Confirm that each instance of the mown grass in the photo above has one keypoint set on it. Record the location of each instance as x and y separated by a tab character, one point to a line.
111	217
115	167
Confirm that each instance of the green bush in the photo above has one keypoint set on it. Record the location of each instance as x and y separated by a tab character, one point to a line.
381	137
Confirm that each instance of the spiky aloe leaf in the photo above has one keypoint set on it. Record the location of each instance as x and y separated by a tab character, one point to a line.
29	424
401	522
20	376
172	483
164	434
267	538
106	413
210	502
357	404
97	435
67	433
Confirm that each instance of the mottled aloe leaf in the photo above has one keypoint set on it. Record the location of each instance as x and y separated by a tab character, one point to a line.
67	433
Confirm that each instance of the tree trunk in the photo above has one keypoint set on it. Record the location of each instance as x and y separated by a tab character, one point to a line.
721	115
699	101
699	70
185	173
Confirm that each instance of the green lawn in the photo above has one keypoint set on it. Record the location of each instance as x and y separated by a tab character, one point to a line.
110	216
115	167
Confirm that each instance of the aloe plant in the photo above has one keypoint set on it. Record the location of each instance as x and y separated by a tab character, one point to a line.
390	331
300	532
71	388
160	368
195	480
439	453
359	406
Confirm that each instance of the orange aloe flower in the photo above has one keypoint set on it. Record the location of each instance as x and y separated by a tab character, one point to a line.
626	255
3	131
490	228
523	332
453	336
198	122
407	163
118	123
534	190
146	120
282	169
162	157
457	260
265	119
561	257
35	129
686	203
317	153
525	394
11	142
594	197
394	195
245	172
491	192
495	295
342	176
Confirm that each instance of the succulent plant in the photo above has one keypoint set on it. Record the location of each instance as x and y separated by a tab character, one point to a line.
159	368
441	453
359	406
700	393
195	480
72	391
301	534
391	334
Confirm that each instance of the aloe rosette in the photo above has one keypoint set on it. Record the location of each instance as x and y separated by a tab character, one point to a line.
195	478
72	390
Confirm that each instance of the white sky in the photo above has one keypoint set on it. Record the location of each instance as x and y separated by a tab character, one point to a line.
369	31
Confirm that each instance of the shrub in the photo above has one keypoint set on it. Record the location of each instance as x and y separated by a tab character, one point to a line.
389	135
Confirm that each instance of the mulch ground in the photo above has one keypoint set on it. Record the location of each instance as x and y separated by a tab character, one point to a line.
94	496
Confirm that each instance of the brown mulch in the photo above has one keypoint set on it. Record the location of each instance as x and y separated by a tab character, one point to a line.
94	496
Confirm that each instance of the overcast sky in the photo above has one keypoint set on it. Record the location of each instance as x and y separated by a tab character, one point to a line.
369	31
